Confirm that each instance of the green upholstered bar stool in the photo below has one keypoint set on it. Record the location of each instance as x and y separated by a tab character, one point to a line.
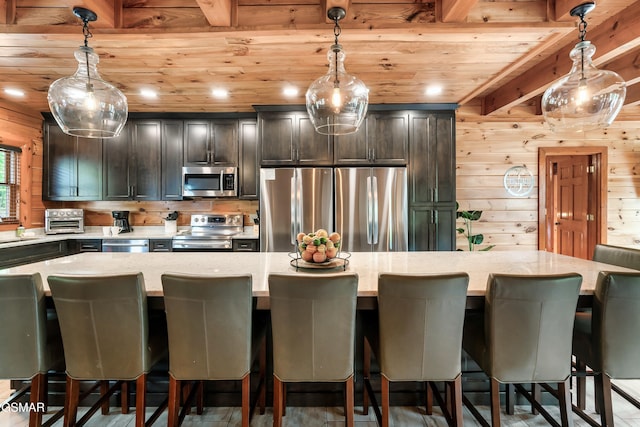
524	334
418	336
105	334
31	343
607	338
616	255
313	327
213	335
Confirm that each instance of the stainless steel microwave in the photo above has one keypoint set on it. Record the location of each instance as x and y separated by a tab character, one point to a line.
209	181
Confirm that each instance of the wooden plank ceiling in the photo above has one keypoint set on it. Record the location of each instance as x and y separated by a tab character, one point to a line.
496	55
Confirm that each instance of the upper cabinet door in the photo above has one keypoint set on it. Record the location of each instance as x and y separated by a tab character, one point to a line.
388	138
289	138
70	165
248	169
352	149
432	177
208	142
172	159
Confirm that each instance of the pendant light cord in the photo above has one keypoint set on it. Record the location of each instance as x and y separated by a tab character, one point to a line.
582	28
87	34
336	48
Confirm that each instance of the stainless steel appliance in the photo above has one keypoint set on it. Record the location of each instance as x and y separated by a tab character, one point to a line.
371	208
121	219
209	181
59	221
125	245
367	206
209	233
294	200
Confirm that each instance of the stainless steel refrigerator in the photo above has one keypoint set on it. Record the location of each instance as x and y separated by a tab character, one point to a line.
294	200
371	208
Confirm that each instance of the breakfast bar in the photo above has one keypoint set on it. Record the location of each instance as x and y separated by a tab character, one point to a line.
366	264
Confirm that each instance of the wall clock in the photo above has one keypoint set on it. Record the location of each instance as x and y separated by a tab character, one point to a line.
518	181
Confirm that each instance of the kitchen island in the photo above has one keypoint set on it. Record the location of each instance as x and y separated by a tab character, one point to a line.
366	264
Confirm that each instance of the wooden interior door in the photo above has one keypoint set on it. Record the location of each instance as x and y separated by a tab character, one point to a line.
570	213
573	200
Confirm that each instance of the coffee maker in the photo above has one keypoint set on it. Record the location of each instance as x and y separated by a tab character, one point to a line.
121	219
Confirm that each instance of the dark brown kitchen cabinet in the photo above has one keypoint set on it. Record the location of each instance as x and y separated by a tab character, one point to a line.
172	159
132	168
432	229
383	139
209	142
71	166
249	167
432	170
289	138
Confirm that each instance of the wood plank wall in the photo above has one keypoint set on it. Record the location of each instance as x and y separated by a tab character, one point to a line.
486	148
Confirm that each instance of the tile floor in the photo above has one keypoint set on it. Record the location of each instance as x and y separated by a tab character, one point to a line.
626	415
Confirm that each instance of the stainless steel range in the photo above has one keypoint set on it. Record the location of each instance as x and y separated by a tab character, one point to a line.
209	233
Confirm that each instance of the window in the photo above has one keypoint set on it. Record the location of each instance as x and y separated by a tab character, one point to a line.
9	184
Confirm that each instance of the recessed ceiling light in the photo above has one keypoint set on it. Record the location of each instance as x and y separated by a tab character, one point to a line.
220	93
14	92
290	91
148	93
433	90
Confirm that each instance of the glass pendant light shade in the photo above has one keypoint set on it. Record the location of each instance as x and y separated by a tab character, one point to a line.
83	104
337	102
585	99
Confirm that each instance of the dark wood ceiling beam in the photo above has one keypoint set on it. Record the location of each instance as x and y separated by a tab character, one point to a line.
456	10
219	13
633	95
613	38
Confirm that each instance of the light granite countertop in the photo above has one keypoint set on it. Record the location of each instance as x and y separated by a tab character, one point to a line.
367	265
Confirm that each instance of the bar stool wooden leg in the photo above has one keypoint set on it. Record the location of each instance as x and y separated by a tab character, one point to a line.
246	404
72	398
141	399
535	393
200	394
494	390
564	395
173	405
366	372
262	381
509	392
124	397
277	402
606	408
428	403
581	384
385	401
38	396
104	389
349	401
456	399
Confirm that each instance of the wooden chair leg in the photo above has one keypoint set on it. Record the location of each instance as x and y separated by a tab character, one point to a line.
384	398
494	390
581	384
535	393
428	399
246	404
124	397
606	408
72	398
38	398
349	401
173	405
104	389
564	395
284	399
200	394
277	402
141	399
366	372
456	401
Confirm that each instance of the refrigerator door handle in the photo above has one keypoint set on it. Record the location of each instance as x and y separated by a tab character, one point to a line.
374	210
369	211
294	207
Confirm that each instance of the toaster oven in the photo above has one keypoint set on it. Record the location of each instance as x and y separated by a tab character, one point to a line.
60	221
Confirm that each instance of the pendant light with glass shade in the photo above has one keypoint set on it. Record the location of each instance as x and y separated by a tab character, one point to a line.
337	102
586	98
83	104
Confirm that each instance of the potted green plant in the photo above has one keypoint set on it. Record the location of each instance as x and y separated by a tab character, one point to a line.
468	217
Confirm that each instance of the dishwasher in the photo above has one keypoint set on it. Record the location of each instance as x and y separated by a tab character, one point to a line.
125	245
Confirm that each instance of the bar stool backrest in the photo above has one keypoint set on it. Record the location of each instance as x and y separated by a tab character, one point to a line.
616	323
104	325
23	334
209	324
529	326
313	326
421	319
